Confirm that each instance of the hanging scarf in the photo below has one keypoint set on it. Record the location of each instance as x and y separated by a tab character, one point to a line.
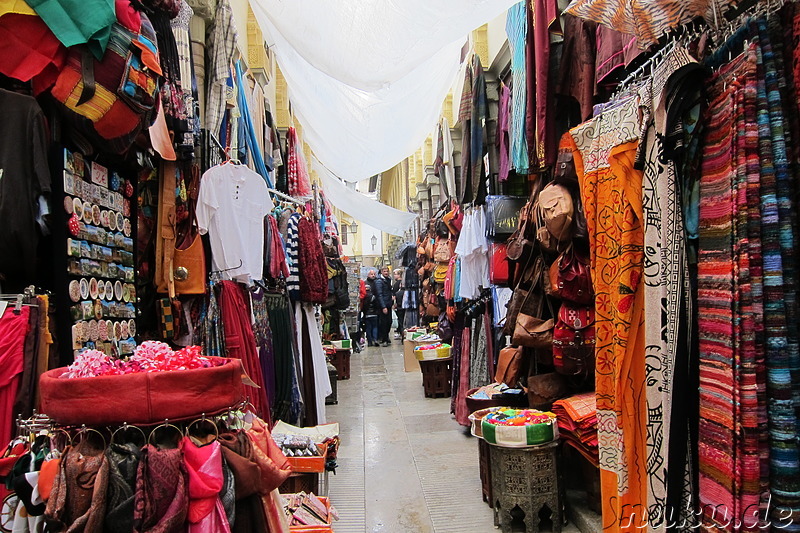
78	499
204	466
123	463
275	469
237	450
161	499
299	182
312	264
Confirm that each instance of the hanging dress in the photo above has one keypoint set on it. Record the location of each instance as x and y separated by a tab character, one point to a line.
604	150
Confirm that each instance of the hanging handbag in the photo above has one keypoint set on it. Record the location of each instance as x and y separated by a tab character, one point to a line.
454	219
509	363
574	278
432	308
440	273
552	278
445	248
574	340
520	246
444	329
530	284
532	330
556	208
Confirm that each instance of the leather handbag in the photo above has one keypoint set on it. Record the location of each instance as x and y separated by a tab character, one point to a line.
509	364
445	248
552	278
574	278
544	389
454	219
528	295
533	331
189	267
556	208
520	246
440	273
432	307
574	340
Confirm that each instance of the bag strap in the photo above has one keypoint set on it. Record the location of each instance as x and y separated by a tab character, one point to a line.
87	75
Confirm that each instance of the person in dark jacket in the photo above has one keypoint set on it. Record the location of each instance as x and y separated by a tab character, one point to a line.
370	308
386	302
398	291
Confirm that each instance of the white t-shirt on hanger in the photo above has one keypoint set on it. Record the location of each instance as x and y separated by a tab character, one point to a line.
231	206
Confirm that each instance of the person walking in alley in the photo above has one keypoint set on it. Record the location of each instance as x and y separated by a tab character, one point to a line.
398	291
370	308
385	302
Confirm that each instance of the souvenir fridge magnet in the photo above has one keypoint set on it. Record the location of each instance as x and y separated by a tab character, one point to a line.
69	205
101	290
84	284
75	290
102	330
126	227
126	293
126	208
93	290
98	309
112	220
132	327
117	330
104	218
99	174
109	290
74	225
77	342
118	290
125	331
93	330
69	183
96	215
87	212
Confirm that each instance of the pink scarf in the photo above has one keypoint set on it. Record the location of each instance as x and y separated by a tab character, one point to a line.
204	465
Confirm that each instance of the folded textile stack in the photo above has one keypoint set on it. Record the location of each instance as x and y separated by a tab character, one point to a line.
577	423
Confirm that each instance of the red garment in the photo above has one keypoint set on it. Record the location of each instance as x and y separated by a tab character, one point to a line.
313	266
274	465
13	330
161	499
204	466
241	342
28	49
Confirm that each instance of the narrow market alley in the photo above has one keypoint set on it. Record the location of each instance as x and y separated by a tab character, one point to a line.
405	465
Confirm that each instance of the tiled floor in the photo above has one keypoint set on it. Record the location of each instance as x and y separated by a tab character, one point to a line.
405	465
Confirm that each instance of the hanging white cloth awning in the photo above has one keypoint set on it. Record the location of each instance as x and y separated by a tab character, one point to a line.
362	208
367	78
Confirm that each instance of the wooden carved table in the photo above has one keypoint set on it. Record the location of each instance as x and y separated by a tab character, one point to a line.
526	478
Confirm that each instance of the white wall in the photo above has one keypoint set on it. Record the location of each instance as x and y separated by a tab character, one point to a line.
496	35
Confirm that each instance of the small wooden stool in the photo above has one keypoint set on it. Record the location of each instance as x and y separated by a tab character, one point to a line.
527	478
437	377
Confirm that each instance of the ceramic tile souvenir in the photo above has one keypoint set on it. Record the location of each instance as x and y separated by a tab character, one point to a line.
69	205
126	293
87	212
126	227
125	331
69	183
102	330
99	174
96	215
93	330
118	291
109	288
132	327
101	290
112	221
117	330
77	207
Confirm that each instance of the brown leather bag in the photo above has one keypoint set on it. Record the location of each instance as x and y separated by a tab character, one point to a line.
544	389
528	294
444	250
532	330
189	267
519	246
509	364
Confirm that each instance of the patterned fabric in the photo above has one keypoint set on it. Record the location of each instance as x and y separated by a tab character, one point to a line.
161	500
264	341
293	257
611	190
666	289
646	19
296	170
221	46
123	463
778	223
728	458
517	30
78	498
312	265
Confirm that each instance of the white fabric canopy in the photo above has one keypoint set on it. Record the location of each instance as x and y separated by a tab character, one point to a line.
360	207
367	78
